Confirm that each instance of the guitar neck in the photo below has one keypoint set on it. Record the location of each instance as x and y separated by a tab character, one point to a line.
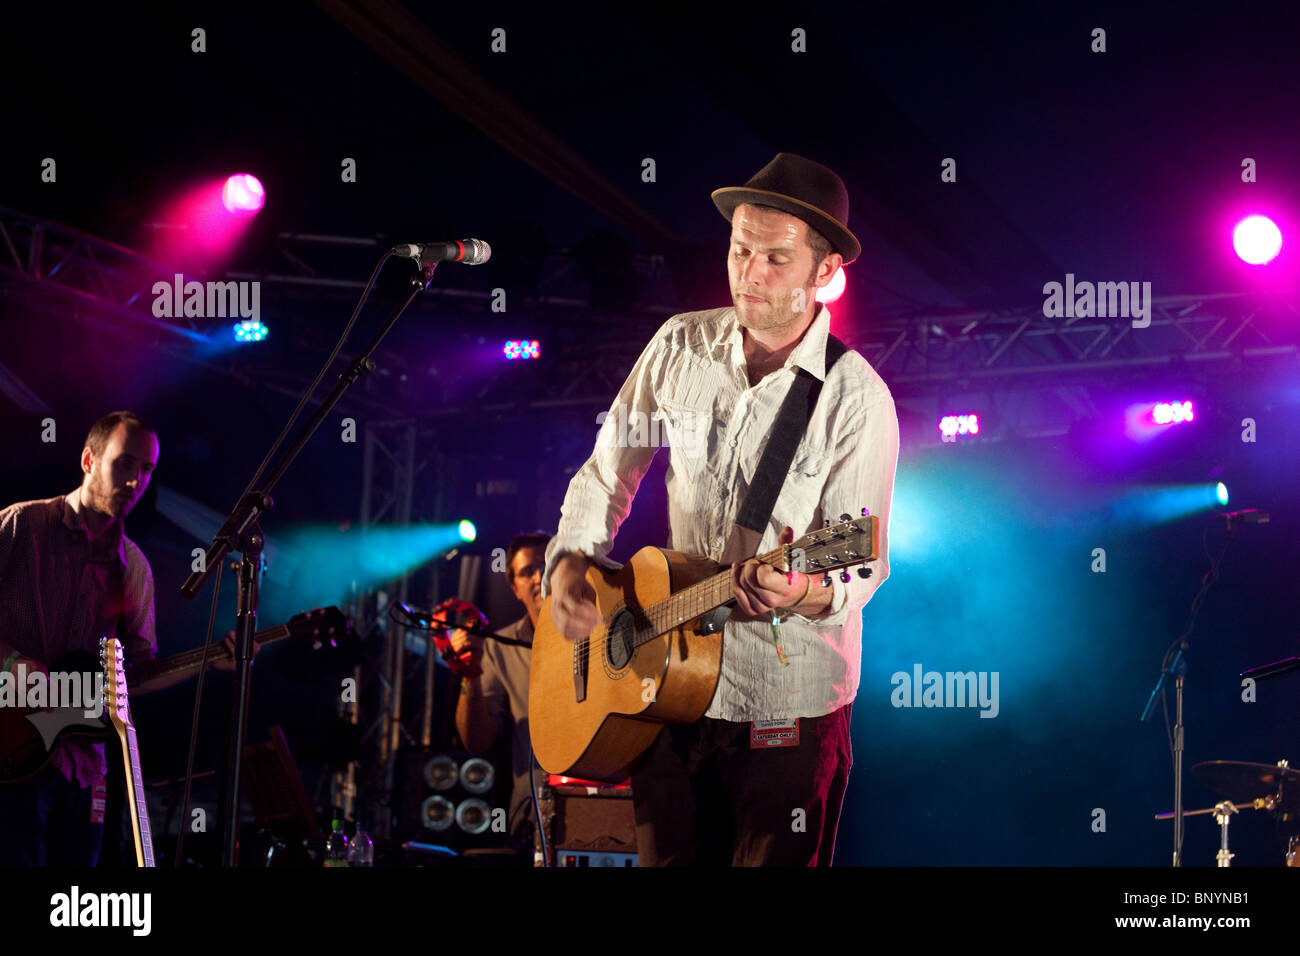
700	598
139	805
119	711
193	660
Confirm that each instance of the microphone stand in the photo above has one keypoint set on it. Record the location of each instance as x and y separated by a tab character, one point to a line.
242	532
1178	667
443	624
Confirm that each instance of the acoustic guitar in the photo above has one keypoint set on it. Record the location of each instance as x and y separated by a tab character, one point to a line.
596	704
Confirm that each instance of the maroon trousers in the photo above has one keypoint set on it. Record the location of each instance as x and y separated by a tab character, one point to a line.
704	797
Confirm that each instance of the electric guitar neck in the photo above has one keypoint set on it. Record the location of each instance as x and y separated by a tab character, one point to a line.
119	713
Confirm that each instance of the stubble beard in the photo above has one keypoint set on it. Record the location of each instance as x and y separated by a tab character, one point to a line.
100	496
763	319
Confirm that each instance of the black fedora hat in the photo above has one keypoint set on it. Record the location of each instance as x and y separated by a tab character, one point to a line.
802	188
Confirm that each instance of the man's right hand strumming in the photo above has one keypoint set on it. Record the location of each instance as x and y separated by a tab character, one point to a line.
573	599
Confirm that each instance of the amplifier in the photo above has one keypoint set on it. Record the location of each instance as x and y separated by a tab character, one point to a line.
589	826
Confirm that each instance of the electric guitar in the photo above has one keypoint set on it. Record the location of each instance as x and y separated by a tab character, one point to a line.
320	625
594	705
119	715
29	735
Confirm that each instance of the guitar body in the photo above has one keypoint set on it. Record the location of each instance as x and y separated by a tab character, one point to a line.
598	731
29	735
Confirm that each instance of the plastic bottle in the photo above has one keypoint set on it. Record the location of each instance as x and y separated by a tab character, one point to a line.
361	851
336	847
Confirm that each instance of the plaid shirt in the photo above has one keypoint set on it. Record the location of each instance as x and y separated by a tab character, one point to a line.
57	595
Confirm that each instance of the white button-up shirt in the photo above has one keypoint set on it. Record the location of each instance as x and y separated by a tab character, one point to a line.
690	390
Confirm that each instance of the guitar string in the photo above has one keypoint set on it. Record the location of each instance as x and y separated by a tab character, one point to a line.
121	709
703	596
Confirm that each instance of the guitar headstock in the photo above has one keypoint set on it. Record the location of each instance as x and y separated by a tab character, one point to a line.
320	625
113	663
850	541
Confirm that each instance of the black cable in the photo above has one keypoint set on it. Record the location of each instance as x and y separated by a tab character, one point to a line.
329	362
194	720
1207	581
537	806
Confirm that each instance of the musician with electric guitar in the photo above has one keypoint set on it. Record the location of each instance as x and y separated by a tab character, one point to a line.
720	673
69	576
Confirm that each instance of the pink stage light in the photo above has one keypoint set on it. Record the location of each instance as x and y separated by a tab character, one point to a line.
952	426
834	289
243	192
1172	413
1257	240
522	349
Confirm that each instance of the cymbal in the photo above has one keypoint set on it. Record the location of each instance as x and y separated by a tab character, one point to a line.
1242	782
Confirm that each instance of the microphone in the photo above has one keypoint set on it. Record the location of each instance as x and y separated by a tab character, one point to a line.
472	252
1249	516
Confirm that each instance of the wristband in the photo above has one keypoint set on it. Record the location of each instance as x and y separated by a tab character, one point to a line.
803	597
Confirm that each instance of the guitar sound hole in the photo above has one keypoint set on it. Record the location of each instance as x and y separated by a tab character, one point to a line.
618	639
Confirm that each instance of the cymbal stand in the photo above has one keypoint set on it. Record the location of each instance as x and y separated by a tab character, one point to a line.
1222	814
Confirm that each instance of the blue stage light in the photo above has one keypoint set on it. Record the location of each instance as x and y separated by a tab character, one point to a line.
250	330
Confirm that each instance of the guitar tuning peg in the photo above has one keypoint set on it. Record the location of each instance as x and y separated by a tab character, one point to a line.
846	517
844	576
864	573
826	523
826	580
866	512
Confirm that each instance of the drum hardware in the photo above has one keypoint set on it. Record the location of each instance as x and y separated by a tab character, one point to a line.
1223	812
1237	781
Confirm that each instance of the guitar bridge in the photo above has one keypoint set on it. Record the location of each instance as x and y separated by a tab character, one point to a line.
581	657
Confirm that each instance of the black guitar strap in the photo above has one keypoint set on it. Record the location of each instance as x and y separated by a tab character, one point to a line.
118	578
791	422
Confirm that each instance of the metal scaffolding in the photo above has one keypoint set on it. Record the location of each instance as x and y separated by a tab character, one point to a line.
918	352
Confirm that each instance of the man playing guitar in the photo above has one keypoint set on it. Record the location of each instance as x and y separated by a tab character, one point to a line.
759	780
69	576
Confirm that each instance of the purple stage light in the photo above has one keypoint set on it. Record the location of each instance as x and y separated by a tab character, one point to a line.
951	426
1172	413
522	349
243	192
1257	240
